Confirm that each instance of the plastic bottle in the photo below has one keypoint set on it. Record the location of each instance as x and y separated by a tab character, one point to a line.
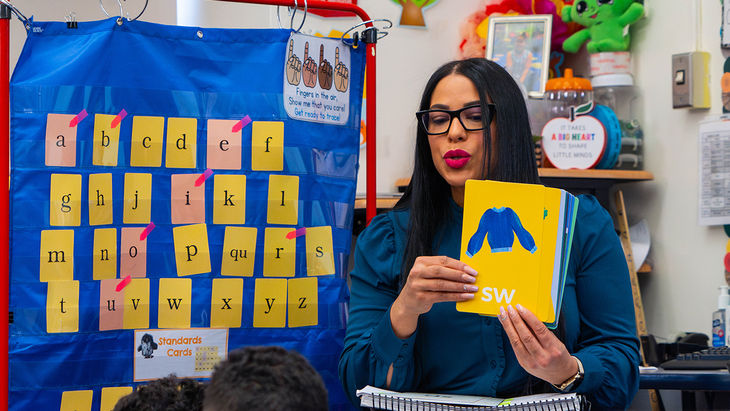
719	318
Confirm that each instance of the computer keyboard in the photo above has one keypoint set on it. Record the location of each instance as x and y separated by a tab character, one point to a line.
708	359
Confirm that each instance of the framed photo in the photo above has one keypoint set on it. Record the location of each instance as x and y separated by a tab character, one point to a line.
521	44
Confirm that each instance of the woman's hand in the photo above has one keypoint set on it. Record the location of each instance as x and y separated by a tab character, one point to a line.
431	280
538	350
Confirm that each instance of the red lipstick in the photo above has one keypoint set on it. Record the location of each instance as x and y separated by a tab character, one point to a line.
456	158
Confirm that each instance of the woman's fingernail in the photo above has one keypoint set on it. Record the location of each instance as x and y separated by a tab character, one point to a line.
520	308
470	270
468	296
471	288
468	278
502	314
511	310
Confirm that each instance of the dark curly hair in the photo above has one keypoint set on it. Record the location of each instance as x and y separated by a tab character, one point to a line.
165	394
265	378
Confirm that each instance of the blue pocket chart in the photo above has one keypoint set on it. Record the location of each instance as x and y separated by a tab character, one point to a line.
161	195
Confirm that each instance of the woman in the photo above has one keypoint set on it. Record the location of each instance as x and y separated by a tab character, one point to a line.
404	332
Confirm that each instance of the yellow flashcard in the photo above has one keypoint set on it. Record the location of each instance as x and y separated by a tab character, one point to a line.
546	305
146	148
57	255
65	199
502	239
283	204
106	141
320	256
226	303
137	198
192	255
174	303
303	302
101	210
229	199
137	304
110	396
62	307
77	400
239	251
267	146
269	305
182	139
105	253
279	252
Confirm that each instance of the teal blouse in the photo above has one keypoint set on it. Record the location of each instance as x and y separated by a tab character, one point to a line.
464	353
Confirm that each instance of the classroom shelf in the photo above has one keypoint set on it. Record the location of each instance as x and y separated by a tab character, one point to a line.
595	182
593	174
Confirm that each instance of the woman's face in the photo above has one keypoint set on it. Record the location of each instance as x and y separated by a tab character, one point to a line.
457	154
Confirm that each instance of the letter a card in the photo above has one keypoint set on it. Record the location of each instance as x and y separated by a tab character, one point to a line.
60	140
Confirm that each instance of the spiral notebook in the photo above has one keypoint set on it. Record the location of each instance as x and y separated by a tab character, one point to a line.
412	401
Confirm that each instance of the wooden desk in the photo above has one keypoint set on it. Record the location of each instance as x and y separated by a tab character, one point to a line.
714	384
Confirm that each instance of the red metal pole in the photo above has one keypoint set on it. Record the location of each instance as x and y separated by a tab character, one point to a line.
4	199
370	185
370	154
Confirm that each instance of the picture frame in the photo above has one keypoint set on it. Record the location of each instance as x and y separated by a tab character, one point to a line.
521	44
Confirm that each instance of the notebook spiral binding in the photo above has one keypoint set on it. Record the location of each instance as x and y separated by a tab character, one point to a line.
386	402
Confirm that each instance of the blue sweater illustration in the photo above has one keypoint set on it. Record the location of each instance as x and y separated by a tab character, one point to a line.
499	226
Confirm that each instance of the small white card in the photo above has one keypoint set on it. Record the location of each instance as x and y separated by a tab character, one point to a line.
317	79
190	353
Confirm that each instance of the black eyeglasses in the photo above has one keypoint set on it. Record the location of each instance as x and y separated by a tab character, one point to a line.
438	121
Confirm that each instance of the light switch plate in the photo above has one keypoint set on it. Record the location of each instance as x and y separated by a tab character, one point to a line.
691	80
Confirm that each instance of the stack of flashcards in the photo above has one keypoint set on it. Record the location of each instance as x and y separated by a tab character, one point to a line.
529	271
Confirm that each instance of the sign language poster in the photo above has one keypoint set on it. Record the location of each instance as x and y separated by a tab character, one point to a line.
316	85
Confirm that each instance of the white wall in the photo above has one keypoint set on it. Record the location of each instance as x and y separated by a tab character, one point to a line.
681	292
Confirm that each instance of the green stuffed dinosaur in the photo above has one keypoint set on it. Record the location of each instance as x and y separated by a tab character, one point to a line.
606	23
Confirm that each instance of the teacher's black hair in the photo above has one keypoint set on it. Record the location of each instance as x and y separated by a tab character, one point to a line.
427	195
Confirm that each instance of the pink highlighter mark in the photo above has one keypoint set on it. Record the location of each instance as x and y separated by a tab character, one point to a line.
77	118
146	231
206	175
124	283
118	119
296	233
241	124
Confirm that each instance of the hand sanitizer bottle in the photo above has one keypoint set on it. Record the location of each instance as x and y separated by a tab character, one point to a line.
719	318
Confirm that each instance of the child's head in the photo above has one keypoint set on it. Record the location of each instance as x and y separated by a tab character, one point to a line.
265	378
165	394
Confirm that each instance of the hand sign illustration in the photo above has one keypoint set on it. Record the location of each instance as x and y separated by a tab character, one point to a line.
342	73
325	70
293	66
309	72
